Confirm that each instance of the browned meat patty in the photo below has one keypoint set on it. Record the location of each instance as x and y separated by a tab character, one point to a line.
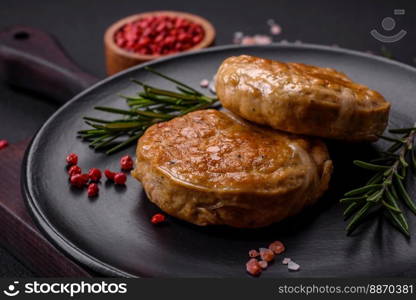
301	99
209	167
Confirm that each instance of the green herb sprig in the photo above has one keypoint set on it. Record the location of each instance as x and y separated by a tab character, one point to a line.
386	190
150	106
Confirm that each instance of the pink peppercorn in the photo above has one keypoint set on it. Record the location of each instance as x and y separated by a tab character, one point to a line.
159	35
266	254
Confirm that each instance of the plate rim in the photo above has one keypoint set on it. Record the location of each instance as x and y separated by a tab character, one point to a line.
39	217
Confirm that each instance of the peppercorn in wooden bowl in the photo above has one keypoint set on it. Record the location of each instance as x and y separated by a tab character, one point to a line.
143	37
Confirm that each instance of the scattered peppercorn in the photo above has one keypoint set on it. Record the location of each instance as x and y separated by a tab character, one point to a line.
159	35
277	247
72	159
253	253
110	175
158	218
253	267
95	174
120	178
266	254
73	170
126	163
3	144
92	190
79	180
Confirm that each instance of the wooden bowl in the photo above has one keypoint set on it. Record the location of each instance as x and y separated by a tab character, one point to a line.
118	59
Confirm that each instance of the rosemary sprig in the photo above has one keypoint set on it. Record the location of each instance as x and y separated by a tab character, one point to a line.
387	188
149	106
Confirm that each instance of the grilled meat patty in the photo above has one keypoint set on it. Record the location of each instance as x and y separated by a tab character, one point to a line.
301	99
210	167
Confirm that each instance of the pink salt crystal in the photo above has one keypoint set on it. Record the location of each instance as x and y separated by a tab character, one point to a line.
266	254
238	36
286	260
3	144
270	22
275	29
263	264
253	253
292	266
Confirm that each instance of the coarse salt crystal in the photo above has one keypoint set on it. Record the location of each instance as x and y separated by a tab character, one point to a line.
253	253
292	266
286	260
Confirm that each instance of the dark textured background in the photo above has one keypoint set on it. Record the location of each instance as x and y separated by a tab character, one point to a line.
79	26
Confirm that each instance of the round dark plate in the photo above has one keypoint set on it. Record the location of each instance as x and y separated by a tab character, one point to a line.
112	233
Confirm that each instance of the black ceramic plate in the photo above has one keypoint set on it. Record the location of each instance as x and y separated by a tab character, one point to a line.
112	234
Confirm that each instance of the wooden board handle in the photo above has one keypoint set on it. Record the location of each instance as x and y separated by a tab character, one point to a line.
33	60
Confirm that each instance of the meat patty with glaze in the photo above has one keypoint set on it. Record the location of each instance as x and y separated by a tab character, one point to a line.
210	167
301	99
